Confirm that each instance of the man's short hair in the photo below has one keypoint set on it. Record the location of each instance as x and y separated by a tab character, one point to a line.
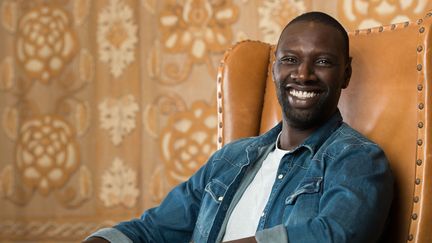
323	18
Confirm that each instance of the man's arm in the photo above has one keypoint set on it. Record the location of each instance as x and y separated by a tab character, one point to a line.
354	204
172	221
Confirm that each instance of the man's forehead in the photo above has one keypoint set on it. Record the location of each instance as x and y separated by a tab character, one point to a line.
309	29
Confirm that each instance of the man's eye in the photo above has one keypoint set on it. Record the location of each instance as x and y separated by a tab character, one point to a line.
288	60
324	62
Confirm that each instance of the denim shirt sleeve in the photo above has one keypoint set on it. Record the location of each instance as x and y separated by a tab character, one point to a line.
356	198
174	219
111	235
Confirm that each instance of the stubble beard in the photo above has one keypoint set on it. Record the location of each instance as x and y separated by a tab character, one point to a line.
303	118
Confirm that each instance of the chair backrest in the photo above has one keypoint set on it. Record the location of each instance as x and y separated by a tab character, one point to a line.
388	100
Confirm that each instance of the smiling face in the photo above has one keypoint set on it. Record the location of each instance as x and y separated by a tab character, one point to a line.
310	69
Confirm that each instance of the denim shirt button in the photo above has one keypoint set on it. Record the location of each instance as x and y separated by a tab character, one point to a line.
280	176
263	214
220	199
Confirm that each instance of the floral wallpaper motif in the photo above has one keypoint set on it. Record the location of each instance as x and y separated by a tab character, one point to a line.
186	142
9	15
46	153
45	42
118	117
161	108
46	160
196	28
44	129
85	65
117	36
10	122
119	185
106	105
275	14
7	74
357	14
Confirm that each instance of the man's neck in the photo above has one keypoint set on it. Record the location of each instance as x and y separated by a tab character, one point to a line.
291	137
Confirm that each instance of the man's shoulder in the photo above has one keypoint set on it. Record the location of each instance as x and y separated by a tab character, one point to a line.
348	140
352	153
238	145
240	150
262	140
347	134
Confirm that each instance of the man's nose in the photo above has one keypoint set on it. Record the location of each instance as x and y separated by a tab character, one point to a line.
304	73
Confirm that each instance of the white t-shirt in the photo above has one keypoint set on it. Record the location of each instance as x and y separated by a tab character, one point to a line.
245	217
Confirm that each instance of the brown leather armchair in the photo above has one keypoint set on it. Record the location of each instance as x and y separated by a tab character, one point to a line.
388	99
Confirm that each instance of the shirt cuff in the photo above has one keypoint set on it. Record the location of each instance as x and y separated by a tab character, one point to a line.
111	234
276	234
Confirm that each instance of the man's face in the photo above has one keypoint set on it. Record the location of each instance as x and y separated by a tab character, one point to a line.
310	70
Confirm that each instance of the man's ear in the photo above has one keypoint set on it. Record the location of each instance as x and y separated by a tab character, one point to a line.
348	72
272	70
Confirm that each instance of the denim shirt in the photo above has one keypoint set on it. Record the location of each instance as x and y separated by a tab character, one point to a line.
337	187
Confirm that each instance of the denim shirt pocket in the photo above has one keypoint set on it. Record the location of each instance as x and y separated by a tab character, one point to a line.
216	189
307	186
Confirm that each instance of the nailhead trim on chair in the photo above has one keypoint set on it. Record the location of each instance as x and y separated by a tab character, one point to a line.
420	114
383	28
419	171
220	107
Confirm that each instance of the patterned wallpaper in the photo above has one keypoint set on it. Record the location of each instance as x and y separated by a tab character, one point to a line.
107	104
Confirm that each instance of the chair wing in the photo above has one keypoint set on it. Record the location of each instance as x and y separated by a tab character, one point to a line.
388	100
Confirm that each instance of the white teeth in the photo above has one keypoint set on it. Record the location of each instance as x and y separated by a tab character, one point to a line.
302	94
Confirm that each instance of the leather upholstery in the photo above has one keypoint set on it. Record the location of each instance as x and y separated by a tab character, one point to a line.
388	100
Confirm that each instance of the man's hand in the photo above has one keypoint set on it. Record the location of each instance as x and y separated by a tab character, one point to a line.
96	240
243	240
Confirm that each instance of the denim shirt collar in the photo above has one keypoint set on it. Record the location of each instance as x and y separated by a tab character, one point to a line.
313	142
319	136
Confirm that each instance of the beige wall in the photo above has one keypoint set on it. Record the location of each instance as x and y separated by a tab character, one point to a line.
107	104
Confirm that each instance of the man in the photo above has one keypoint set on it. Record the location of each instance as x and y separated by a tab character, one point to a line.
311	178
